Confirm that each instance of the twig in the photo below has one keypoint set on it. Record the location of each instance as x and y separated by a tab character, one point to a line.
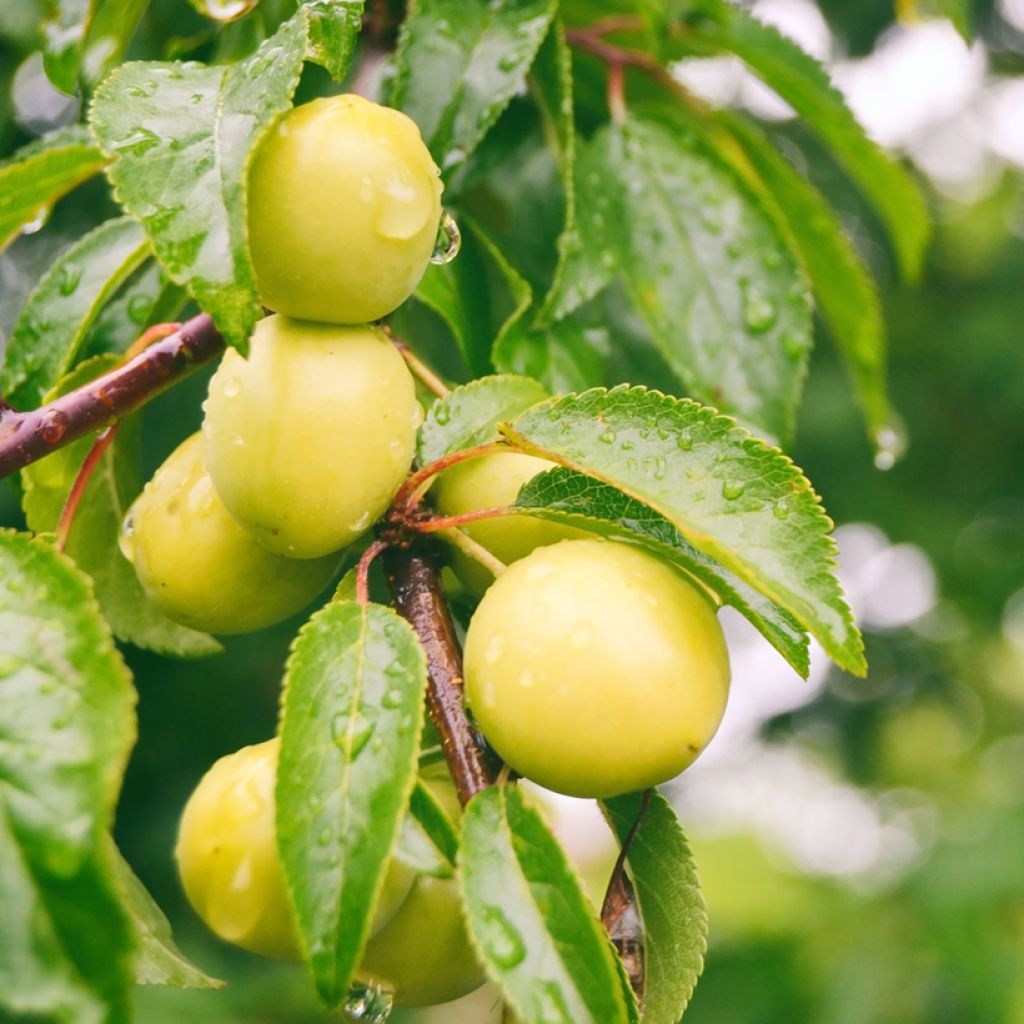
415	581
418	367
28	436
85	471
436	524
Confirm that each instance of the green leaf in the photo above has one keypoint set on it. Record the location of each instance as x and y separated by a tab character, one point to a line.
333	27
63	38
158	961
111	29
52	326
565	496
706	268
67	725
427	842
42	172
535	931
730	495
460	62
93	542
181	136
568	355
352	710
670	901
804	84
471	413
846	294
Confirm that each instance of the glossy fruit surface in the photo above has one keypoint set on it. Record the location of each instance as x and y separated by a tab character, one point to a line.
424	954
494	481
308	439
228	860
344	205
199	566
595	669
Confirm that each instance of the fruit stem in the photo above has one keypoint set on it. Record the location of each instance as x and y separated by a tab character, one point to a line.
414	577
461	540
433	524
416	484
363	569
28	436
89	464
418	367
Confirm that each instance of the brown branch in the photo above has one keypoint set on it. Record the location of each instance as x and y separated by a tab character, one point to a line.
415	581
26	437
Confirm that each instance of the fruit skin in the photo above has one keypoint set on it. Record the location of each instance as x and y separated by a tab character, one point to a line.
308	439
494	481
198	566
594	669
228	861
344	207
424	953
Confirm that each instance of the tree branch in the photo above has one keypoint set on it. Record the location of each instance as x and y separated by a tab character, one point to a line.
26	437
415	581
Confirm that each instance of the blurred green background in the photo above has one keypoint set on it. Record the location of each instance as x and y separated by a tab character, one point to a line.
861	842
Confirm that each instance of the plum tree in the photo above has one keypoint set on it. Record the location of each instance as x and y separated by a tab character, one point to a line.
595	669
228	861
493	481
308	439
200	567
344	206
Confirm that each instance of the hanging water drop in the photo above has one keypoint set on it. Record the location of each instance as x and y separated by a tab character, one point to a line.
367	1004
228	10
449	240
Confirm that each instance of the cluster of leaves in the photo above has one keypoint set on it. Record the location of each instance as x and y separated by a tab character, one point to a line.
683	228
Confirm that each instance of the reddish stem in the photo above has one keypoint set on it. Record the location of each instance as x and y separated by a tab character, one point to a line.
410	493
85	471
28	436
434	523
363	569
155	333
415	581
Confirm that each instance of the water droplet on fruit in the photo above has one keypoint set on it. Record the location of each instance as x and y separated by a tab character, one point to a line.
580	636
70	275
202	498
890	443
732	489
449	240
500	940
538	571
758	310
232	387
367	1005
495	649
417	415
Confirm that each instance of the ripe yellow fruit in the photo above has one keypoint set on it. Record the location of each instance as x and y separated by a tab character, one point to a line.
228	860
344	206
423	954
198	566
595	669
494	481
308	439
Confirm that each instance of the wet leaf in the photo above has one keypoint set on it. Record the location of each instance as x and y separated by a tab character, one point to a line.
730	495
63	39
351	716
428	841
333	27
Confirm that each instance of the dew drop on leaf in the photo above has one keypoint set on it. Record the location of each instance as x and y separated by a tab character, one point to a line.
759	312
607	437
442	415
139	307
501	942
70	275
732	489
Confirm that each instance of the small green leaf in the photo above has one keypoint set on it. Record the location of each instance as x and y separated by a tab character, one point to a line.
351	716
39	174
804	84
333	27
460	62
706	268
52	326
428	842
846	294
565	496
471	413
181	136
158	961
111	29
535	931
731	496
670	901
63	38
93	542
